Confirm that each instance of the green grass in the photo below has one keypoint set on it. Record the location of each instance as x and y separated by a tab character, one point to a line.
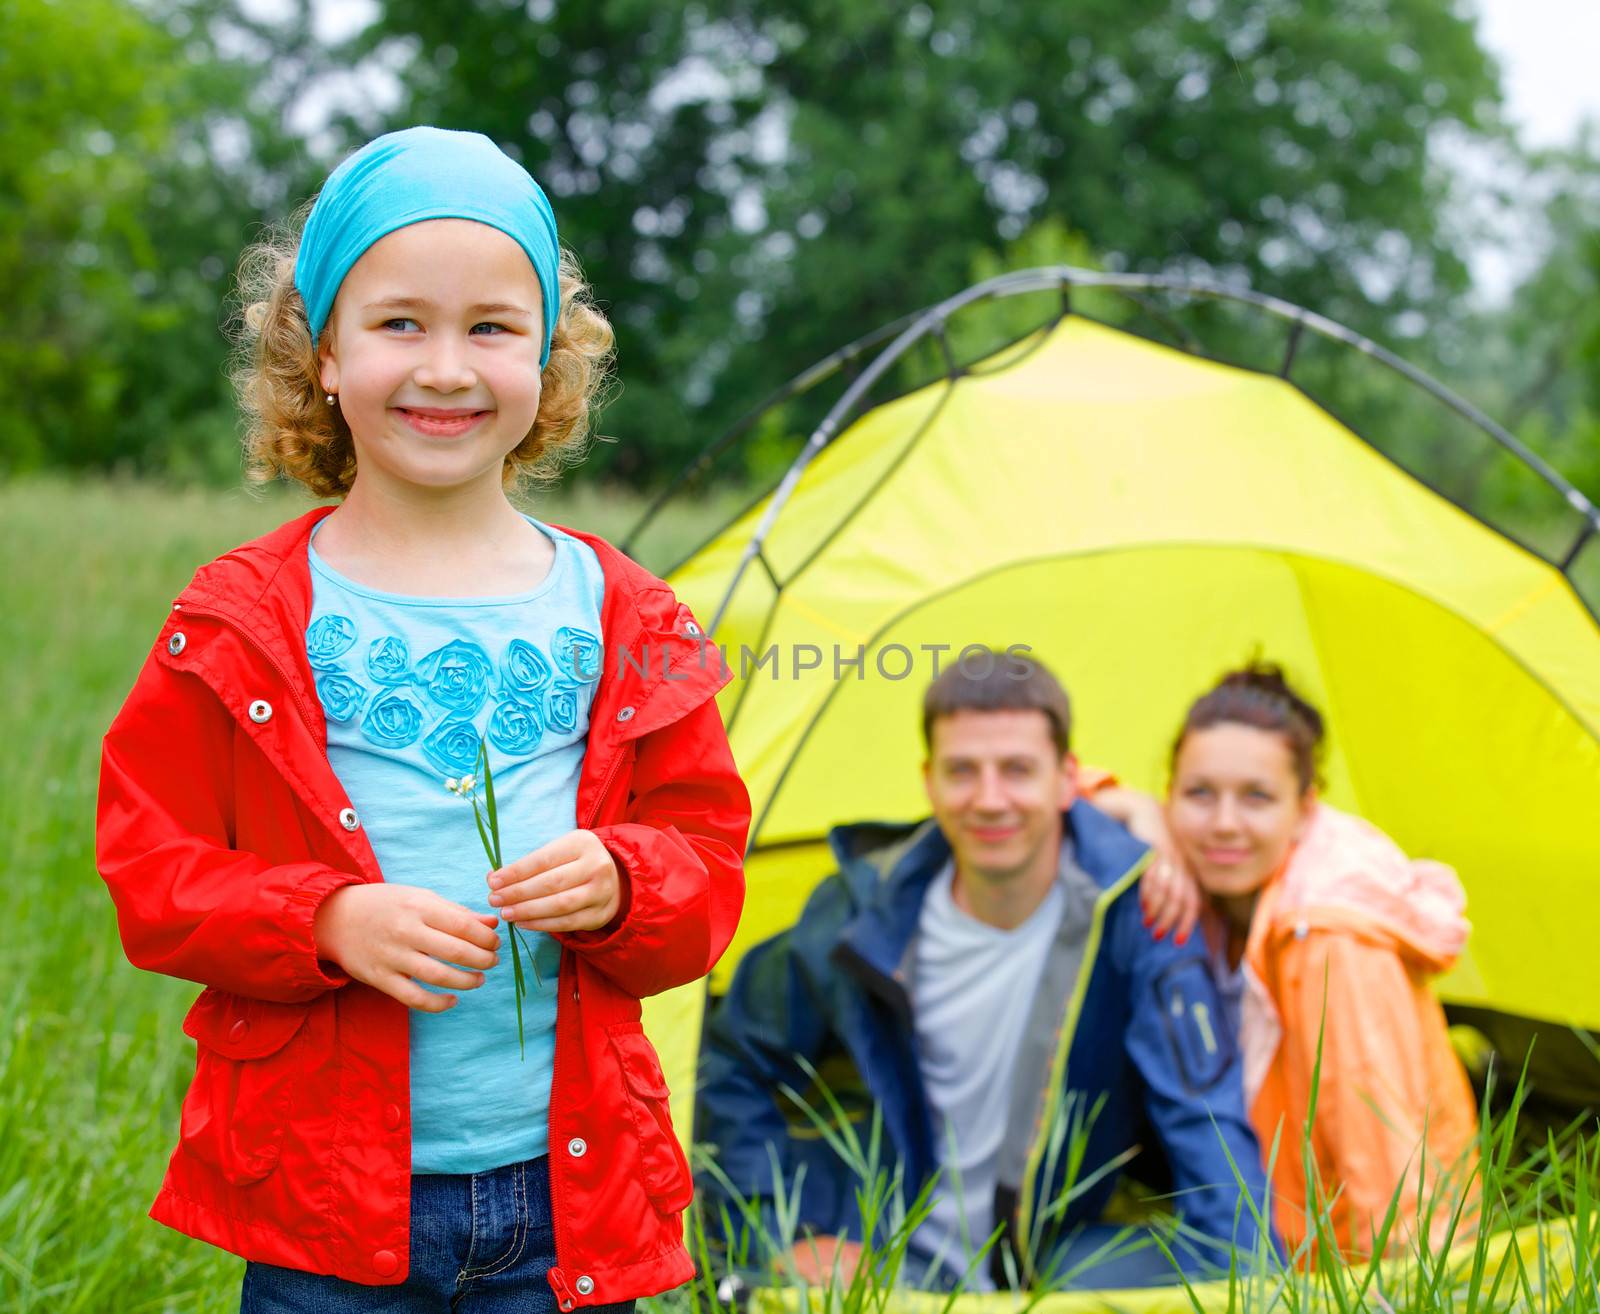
92	1060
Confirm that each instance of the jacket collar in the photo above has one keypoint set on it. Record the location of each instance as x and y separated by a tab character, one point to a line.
888	868
658	665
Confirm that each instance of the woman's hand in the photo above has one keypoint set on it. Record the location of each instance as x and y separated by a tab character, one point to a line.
1170	897
394	936
1168	894
571	884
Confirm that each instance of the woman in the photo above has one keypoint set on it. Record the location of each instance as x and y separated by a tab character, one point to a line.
1325	936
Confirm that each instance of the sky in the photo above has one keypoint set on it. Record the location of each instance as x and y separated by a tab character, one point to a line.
1549	52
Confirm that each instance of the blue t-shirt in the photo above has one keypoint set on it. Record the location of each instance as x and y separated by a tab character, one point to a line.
411	687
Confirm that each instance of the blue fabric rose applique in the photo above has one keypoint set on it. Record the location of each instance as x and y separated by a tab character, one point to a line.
456	677
453	747
341	696
389	660
577	654
328	638
516	727
524	669
393	720
561	714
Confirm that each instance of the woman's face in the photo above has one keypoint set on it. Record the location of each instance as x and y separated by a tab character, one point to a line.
1235	806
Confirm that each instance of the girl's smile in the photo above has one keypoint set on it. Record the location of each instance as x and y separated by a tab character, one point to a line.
439	421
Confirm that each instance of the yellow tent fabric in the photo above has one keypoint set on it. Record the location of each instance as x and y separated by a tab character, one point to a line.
1141	520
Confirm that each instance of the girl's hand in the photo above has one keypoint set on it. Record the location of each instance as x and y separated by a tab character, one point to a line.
571	884
393	936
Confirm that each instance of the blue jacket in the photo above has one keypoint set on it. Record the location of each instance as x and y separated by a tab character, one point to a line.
1135	1034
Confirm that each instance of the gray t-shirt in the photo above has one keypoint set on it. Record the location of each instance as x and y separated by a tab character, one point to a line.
972	988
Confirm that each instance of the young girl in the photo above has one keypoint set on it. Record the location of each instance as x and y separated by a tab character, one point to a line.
364	1126
1326	937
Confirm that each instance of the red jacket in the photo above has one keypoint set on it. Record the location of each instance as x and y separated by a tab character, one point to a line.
222	828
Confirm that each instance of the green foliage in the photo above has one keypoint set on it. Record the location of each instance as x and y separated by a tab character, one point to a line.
752	185
135	165
1536	362
1524	1239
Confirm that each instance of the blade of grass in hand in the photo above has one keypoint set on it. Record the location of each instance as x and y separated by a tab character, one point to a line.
533	962
488	848
488	795
516	963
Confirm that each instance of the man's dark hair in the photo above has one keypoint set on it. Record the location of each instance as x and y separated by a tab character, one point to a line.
987	681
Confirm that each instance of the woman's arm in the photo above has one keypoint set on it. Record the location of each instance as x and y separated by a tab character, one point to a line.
1353	1037
1168	894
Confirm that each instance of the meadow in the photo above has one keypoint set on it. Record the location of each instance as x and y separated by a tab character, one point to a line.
93	1062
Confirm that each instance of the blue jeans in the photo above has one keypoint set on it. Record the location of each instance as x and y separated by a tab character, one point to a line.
481	1243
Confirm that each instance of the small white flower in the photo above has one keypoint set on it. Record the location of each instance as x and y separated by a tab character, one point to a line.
452	784
468	784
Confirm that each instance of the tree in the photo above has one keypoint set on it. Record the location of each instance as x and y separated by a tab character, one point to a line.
1534	362
751	184
135	166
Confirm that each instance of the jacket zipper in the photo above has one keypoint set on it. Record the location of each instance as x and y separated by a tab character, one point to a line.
557	1214
558	1277
1058	1066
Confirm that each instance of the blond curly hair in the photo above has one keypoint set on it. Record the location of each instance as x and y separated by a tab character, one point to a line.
290	428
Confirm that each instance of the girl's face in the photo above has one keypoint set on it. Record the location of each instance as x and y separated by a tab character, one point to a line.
1235	806
433	351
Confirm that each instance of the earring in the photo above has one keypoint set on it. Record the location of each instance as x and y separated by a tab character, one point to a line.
333	399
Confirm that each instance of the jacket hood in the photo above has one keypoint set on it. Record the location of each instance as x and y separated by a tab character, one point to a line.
1346	873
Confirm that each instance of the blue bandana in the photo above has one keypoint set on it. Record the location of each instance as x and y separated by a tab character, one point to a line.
422	173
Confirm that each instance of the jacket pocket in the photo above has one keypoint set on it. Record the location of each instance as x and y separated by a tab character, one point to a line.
662	1167
238	1104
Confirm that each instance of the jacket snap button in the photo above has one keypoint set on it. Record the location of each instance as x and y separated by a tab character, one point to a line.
385	1262
391	1116
176	643
584	1285
261	711
348	818
577	1147
237	1031
626	714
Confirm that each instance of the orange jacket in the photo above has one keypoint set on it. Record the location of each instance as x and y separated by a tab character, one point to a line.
1342	944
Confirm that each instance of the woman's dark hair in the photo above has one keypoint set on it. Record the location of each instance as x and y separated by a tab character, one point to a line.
1259	696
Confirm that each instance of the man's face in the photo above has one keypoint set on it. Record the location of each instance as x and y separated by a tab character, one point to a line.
998	789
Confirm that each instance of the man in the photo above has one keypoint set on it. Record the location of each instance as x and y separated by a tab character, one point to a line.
985	984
